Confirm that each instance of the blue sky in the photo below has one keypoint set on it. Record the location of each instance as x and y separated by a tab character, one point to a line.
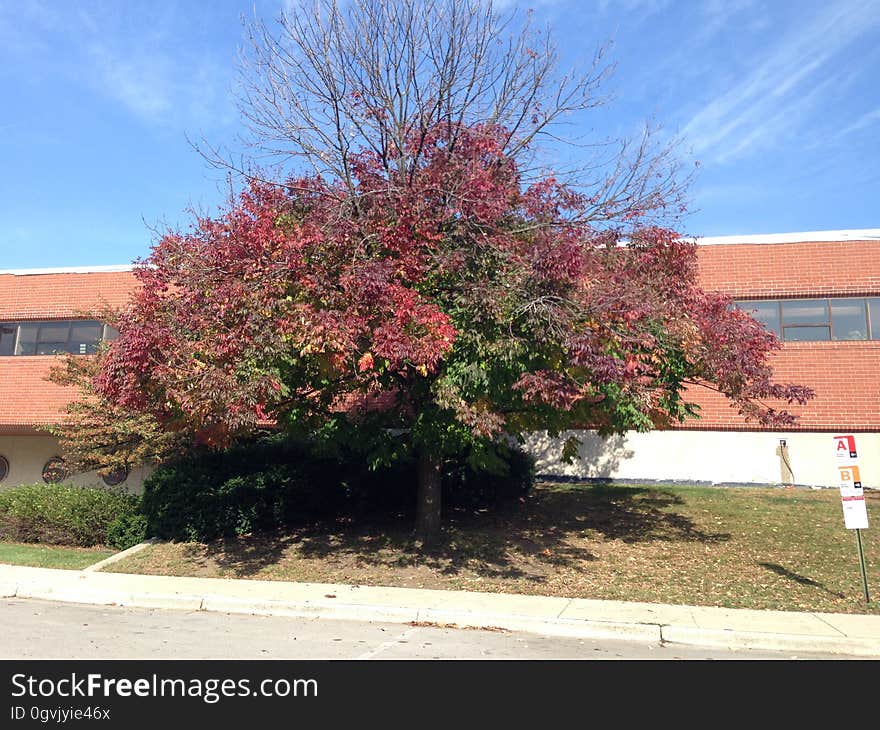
778	100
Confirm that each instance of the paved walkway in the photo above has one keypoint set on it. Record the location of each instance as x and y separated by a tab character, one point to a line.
848	634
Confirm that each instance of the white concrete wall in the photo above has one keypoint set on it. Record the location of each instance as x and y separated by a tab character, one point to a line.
718	457
28	454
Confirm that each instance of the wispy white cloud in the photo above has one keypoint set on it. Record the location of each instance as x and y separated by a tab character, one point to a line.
161	87
717	16
132	57
772	96
775	125
638	7
148	70
869	119
141	83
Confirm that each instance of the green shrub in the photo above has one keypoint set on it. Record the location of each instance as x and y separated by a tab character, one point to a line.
254	487
61	514
276	482
126	531
503	474
485	478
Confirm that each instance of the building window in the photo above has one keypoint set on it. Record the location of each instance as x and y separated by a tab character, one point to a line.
7	338
817	320
849	319
874	318
76	337
55	470
115	476
766	312
4	468
805	319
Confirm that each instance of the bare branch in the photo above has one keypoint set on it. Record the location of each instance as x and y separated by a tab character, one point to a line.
330	80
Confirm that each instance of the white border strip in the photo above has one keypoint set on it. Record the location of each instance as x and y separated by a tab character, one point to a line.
856	234
852	234
69	270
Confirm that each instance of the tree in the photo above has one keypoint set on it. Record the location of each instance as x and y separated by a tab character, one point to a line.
97	434
417	278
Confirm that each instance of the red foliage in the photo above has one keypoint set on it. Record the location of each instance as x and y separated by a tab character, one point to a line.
301	296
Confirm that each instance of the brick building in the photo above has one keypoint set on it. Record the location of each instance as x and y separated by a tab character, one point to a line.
820	292
43	312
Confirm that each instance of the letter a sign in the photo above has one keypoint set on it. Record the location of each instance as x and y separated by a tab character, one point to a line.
845	448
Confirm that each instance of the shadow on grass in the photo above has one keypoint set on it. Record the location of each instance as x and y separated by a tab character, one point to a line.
526	539
801	579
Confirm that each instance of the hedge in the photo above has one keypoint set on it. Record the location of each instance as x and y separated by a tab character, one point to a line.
274	483
261	486
63	514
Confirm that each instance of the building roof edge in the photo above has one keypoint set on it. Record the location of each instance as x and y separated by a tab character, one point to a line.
69	270
853	234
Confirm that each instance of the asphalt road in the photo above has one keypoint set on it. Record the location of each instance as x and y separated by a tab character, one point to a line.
48	630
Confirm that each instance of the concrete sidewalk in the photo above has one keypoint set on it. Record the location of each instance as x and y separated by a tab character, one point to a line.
845	634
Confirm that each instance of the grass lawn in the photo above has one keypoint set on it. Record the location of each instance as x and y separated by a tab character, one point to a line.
51	556
735	547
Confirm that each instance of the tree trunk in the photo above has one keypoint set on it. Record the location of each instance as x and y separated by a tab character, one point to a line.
430	499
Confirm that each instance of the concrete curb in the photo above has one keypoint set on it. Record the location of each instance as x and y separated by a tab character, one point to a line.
729	639
120	556
737	629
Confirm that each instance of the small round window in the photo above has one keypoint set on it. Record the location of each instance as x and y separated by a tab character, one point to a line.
55	471
115	476
4	468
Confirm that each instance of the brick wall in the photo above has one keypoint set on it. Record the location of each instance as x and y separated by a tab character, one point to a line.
792	269
39	296
845	375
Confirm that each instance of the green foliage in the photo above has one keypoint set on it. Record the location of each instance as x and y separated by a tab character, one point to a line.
277	482
62	514
489	475
252	487
570	449
99	435
127	530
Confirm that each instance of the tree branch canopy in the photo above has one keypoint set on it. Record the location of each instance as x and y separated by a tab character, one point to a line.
464	302
328	81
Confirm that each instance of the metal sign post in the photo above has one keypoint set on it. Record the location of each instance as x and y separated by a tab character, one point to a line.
852	497
862	566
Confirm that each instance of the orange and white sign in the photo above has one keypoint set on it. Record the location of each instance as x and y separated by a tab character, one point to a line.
850	477
845	448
